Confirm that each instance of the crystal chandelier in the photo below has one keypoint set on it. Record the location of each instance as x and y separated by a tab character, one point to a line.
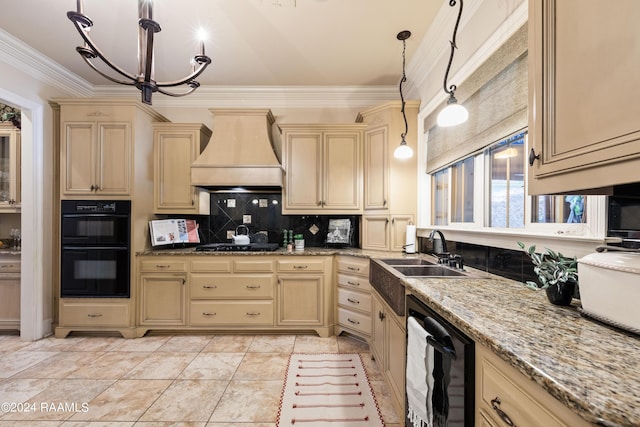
144	80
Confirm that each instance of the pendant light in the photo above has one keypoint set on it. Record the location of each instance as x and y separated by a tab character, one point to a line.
403	151
453	114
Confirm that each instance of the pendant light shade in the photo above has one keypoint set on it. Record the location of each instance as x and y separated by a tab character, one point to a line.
403	151
453	114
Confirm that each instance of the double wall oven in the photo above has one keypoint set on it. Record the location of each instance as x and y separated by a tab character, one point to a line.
96	249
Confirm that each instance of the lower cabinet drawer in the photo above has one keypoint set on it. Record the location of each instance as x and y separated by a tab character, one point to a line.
353	320
504	393
355	282
232	286
354	300
207	313
82	314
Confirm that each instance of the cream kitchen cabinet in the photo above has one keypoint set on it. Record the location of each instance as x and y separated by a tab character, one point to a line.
176	146
9	292
323	168
303	300
503	393
163	292
354	302
388	348
230	292
390	185
584	131
385	232
9	168
97	145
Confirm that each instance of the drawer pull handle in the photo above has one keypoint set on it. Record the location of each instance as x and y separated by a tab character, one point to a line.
503	415
353	301
355	322
349	282
300	267
253	314
353	268
163	265
210	286
253	286
208	314
94	315
7	266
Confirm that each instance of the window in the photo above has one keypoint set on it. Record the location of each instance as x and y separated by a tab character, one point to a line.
563	209
462	190
506	187
488	189
441	197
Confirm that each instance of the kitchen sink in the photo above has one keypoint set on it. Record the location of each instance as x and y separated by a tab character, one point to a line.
428	271
386	274
406	261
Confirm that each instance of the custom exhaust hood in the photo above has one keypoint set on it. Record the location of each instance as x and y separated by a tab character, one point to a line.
241	152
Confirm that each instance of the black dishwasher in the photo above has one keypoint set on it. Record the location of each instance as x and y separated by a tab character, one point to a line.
446	381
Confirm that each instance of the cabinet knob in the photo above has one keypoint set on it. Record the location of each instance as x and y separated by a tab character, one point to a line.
533	157
495	404
381	315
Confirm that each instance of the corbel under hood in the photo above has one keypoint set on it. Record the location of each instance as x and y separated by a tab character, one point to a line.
241	152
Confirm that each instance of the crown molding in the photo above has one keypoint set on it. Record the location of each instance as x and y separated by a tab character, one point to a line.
23	57
266	96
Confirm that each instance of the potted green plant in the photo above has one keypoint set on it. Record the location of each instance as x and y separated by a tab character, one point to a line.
557	274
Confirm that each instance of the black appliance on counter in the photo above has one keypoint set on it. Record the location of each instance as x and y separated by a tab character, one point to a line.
453	368
96	254
231	247
624	215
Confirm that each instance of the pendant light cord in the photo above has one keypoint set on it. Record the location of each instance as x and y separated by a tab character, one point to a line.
402	80
452	88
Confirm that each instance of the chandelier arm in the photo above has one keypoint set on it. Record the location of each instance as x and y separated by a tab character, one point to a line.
194	85
450	90
94	49
402	80
103	74
204	62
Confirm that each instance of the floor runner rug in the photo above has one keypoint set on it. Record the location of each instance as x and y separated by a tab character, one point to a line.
327	390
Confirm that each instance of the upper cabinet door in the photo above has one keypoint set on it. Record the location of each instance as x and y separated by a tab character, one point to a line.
303	173
584	123
342	170
9	168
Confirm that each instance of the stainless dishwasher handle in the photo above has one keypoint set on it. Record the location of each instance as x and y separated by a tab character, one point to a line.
503	415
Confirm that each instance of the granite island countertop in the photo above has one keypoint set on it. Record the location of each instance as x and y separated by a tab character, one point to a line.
590	367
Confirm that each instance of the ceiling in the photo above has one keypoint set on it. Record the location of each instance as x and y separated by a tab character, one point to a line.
251	42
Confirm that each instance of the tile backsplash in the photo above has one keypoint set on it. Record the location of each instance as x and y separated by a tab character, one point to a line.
262	214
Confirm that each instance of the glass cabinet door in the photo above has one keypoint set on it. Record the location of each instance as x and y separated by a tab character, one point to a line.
9	167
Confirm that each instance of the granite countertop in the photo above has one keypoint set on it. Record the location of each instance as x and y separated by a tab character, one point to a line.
590	367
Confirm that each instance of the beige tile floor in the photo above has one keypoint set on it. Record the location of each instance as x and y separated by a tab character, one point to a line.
160	381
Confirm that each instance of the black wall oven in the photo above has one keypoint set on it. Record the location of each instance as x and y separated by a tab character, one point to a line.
96	254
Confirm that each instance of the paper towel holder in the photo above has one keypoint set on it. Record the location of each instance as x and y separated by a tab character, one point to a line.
410	241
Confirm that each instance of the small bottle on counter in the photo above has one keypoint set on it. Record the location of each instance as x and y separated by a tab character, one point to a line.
289	247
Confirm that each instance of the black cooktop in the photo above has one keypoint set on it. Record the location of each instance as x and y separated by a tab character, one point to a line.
231	247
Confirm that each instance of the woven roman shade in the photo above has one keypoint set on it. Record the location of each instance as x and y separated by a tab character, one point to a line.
495	96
